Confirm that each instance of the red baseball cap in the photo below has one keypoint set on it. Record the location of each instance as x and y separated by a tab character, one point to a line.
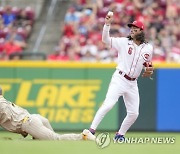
138	24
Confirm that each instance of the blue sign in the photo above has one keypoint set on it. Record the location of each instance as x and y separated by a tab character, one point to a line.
168	100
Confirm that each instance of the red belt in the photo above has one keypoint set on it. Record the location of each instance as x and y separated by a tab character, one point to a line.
127	77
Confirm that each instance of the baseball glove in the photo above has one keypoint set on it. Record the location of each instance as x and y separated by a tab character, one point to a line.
148	70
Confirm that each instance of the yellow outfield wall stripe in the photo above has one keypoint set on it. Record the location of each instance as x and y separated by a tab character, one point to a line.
166	65
53	64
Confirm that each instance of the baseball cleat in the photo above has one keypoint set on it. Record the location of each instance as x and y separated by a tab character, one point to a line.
119	137
87	135
92	131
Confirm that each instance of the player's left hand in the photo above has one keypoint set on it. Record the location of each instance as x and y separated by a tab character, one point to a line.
148	72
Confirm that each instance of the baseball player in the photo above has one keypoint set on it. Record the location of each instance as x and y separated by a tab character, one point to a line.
18	120
134	53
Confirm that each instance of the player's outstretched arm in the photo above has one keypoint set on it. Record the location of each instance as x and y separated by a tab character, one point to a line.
105	34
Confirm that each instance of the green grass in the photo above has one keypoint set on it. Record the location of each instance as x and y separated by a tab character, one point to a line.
27	146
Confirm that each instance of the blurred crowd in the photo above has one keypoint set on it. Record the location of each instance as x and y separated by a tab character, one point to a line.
84	20
15	28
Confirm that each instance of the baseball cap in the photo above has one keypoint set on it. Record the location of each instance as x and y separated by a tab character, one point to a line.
136	23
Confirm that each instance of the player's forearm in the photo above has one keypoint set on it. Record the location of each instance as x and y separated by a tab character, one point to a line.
105	35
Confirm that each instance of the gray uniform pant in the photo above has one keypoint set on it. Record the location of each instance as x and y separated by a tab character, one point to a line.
40	128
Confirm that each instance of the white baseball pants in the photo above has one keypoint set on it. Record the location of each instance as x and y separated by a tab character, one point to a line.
40	128
120	86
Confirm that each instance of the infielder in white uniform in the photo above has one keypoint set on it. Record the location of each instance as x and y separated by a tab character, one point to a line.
18	120
134	53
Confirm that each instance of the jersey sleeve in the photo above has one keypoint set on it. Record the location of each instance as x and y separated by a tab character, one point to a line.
147	55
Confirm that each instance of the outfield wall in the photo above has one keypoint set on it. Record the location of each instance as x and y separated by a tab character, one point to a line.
69	94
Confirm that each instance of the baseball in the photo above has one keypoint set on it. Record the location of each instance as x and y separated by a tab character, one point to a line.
110	13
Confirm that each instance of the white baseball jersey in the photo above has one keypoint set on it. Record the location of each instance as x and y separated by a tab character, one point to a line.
130	56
